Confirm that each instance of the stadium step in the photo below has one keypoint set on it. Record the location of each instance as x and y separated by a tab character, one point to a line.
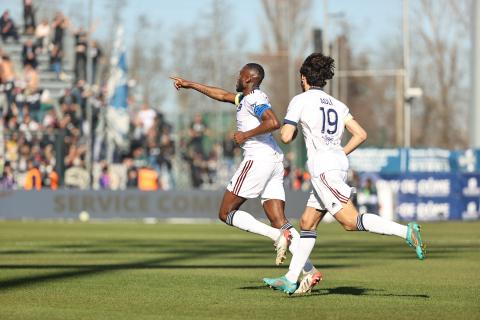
55	85
52	76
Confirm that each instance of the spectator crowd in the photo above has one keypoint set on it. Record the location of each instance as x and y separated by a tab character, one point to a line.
44	139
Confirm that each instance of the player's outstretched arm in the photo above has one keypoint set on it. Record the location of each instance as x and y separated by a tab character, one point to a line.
359	135
211	92
269	123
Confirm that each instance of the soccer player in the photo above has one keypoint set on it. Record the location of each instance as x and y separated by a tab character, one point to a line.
323	119
261	172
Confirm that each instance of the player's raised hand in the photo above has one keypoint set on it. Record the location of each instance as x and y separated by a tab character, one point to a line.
179	83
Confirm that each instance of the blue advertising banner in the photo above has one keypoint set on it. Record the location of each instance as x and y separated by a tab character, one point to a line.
392	161
465	160
377	160
435	196
428	160
470	194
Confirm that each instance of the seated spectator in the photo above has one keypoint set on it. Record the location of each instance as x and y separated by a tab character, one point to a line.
198	130
153	151
28	126
367	197
80	54
28	17
197	165
29	54
53	180
96	54
230	151
11	146
31	78
148	179
7	180
7	80
59	25
42	34
104	181
146	118
48	155
212	166
132	178
49	177
33	103
77	176
68	98
50	121
139	157
80	94
7	27
33	179
167	150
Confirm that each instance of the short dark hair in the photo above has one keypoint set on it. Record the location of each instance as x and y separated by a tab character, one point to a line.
258	69
318	68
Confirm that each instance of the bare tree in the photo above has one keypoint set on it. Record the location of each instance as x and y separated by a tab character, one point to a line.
441	42
282	20
202	52
371	100
146	62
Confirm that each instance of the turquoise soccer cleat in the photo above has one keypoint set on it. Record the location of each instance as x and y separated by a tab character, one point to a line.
281	284
416	240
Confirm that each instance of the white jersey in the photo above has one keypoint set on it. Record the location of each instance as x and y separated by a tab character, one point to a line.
322	119
250	109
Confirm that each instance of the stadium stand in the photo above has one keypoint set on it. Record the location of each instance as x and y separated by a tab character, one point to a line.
45	131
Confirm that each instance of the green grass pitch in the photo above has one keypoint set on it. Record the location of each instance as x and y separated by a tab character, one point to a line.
106	270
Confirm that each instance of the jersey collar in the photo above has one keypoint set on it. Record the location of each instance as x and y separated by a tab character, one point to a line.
253	90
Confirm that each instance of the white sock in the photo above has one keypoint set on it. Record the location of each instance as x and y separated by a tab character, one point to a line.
376	224
245	221
300	257
294	247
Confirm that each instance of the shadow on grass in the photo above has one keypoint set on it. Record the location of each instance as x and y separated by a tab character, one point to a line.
347	291
87	270
81	270
150	265
358	291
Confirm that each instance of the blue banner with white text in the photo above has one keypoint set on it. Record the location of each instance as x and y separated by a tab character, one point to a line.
435	196
393	161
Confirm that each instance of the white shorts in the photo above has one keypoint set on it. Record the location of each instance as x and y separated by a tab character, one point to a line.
255	177
330	192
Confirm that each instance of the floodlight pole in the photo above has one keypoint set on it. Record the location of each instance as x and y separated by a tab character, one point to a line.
475	83
89	76
325	46
325	43
290	57
407	106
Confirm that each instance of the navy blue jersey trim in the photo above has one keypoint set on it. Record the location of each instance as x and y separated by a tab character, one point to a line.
286	121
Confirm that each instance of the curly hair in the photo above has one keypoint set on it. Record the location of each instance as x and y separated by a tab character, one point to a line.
318	68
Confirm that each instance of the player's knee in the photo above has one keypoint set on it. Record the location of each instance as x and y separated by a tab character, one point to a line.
349	226
222	215
307	224
223	212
